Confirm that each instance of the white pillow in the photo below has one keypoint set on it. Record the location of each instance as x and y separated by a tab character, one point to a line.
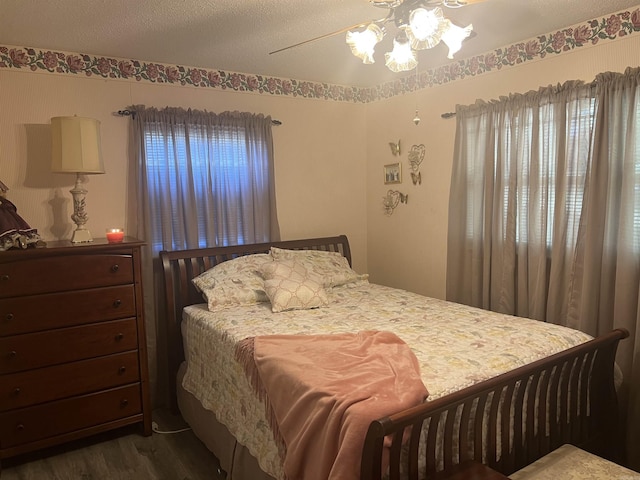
290	286
332	267
234	282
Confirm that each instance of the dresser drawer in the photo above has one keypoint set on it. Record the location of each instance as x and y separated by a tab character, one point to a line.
57	274
22	389
35	350
63	416
53	310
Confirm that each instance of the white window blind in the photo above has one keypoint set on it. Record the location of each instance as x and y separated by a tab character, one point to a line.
215	164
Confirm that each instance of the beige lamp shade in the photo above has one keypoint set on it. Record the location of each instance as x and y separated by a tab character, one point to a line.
75	145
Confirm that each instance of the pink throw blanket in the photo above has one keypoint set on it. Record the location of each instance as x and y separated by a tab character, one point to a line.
323	391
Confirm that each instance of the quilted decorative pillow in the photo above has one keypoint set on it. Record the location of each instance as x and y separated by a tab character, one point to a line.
332	267
290	286
234	282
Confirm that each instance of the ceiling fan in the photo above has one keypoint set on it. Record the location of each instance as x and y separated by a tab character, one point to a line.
421	24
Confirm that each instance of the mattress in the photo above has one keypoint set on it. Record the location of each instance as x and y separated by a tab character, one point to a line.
456	346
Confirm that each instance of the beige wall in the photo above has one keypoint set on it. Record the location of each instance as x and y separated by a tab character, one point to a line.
409	248
329	155
320	151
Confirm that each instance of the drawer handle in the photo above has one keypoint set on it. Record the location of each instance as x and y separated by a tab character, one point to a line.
9	316
121	370
16	391
4	277
124	402
20	427
115	268
117	303
13	354
119	336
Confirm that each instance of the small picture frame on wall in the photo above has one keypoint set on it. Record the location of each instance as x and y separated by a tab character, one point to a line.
392	173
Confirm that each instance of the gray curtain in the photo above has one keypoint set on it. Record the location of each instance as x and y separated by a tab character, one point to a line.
544	213
197	179
606	276
516	192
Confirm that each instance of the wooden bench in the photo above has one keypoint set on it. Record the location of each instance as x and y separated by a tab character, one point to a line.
569	462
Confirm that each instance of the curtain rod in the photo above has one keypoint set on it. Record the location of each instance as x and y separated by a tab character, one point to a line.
131	113
593	84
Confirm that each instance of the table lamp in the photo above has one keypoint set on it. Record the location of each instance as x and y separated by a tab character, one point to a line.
75	148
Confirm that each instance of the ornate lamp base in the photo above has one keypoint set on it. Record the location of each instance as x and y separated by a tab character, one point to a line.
80	217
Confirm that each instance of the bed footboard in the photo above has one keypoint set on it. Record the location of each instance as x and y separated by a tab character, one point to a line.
506	422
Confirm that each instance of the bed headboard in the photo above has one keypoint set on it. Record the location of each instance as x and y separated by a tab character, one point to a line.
180	266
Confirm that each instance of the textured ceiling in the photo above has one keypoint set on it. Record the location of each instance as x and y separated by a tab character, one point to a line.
237	35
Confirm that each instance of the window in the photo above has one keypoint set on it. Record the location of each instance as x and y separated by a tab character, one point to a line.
540	155
207	179
544	186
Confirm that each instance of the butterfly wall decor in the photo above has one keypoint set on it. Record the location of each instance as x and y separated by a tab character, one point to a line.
395	148
391	200
416	156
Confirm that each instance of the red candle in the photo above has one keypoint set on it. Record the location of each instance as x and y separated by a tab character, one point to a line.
115	235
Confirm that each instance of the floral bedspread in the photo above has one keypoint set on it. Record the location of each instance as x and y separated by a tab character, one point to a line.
456	346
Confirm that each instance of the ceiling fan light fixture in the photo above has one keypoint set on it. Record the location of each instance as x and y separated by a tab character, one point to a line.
402	58
425	28
454	36
363	43
420	24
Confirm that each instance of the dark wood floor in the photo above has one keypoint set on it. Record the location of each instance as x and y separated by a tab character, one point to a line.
123	455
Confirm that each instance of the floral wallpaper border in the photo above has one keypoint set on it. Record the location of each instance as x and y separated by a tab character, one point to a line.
611	27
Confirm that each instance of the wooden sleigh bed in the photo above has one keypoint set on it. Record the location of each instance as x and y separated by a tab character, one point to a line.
507	421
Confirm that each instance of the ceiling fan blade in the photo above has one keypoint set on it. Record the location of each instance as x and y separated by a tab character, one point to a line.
321	37
460	3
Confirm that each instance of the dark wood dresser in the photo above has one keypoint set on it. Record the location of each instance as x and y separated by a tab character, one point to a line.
73	357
